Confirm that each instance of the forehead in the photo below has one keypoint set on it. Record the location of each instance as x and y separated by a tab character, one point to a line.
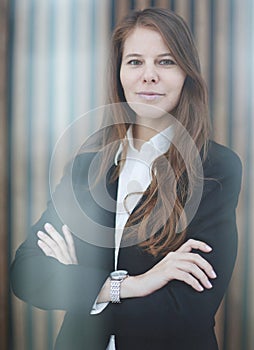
144	40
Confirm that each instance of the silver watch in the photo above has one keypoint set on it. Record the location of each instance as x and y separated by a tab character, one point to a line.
116	278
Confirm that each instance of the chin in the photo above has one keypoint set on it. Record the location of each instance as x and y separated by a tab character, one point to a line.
147	111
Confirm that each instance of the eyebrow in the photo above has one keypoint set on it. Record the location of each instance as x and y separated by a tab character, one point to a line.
139	55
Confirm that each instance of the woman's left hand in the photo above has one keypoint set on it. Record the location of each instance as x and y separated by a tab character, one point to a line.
55	245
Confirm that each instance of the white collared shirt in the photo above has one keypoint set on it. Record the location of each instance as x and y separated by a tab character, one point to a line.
134	178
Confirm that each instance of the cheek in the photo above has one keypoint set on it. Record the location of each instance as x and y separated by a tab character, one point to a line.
181	80
177	84
121	75
128	78
123	78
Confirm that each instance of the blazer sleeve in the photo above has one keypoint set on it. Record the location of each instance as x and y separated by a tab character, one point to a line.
178	306
48	284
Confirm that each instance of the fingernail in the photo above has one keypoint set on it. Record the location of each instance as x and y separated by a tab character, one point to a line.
39	233
200	288
209	285
208	247
213	274
47	226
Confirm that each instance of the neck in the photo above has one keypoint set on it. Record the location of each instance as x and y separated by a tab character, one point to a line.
144	130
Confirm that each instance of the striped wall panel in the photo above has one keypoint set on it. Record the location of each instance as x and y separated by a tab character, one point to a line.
58	61
57	64
4	290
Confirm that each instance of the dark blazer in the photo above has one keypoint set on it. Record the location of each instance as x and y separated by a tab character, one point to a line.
175	317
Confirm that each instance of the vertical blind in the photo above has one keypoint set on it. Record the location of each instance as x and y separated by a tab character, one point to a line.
57	62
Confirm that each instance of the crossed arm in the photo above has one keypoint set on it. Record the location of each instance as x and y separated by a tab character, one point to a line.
64	284
182	265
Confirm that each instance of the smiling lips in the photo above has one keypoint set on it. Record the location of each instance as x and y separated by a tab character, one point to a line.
149	95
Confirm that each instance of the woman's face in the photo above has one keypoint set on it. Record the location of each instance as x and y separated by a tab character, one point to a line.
149	75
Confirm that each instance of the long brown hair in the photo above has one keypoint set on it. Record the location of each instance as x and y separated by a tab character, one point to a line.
158	215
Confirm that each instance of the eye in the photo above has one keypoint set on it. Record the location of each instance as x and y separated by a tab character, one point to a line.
134	63
166	62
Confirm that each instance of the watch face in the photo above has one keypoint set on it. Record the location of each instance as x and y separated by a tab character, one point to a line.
119	274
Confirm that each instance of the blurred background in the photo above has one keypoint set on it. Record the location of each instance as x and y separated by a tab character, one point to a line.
53	58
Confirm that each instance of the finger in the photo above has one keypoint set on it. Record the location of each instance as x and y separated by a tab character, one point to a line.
202	263
45	248
70	243
178	259
190	280
51	244
196	272
57	238
194	244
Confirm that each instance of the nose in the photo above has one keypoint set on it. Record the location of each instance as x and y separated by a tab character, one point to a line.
150	75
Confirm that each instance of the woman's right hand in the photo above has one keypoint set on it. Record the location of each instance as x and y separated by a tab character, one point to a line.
60	247
182	265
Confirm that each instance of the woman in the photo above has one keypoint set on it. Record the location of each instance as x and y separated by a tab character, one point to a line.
173	255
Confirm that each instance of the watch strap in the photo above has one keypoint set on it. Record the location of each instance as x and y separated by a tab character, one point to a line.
116	278
115	291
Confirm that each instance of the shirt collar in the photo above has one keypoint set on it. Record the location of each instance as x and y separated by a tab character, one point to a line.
160	142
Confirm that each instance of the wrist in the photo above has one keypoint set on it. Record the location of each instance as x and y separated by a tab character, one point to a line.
133	287
116	279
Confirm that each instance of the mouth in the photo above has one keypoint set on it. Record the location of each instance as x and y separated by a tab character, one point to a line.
150	95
